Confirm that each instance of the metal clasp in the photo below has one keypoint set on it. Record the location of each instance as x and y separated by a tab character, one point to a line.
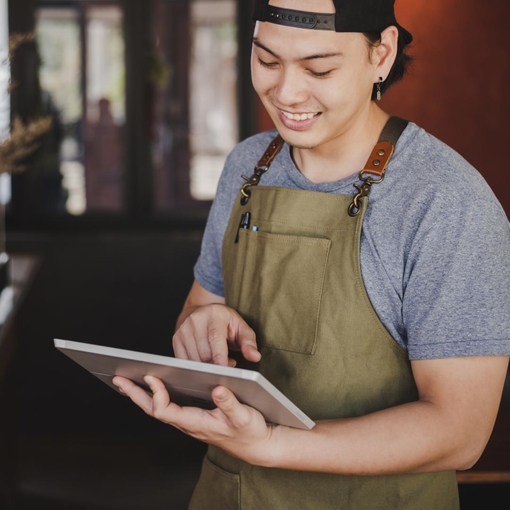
251	181
363	191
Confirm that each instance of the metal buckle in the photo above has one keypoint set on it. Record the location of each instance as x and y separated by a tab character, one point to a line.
363	191
251	181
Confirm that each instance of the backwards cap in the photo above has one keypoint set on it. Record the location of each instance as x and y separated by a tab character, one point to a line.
350	16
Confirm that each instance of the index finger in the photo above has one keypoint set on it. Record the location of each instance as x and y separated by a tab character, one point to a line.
136	393
217	338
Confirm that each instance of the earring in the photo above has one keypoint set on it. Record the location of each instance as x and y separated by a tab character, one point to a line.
379	88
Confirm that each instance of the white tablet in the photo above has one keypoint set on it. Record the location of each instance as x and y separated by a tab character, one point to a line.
189	382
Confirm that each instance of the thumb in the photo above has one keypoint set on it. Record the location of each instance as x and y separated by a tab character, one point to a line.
225	400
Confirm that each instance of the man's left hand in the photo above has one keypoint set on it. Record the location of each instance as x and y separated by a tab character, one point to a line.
238	429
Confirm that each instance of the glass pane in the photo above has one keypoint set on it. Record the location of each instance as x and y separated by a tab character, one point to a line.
58	172
105	108
194	101
82	75
213	101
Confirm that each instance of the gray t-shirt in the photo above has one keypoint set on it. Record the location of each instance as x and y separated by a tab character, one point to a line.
435	244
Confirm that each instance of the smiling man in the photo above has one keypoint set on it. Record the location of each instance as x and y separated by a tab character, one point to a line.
370	284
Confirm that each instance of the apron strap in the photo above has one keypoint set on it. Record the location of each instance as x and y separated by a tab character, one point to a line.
376	164
262	167
271	152
393	129
383	150
378	161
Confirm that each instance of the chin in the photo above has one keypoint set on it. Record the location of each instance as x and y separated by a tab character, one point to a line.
302	146
299	140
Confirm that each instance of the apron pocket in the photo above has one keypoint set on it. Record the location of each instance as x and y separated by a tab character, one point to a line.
216	489
281	278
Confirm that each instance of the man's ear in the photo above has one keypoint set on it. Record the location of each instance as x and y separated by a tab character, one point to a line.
385	53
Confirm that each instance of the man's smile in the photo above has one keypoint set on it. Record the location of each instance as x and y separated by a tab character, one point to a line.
299	116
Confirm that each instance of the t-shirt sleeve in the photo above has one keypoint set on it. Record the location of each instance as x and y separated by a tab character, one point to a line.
456	299
207	270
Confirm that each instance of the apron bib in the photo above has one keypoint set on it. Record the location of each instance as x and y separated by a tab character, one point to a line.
294	275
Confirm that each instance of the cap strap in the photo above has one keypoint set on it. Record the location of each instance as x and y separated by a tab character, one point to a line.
299	19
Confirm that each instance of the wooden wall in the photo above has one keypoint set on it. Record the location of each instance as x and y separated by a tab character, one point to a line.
459	86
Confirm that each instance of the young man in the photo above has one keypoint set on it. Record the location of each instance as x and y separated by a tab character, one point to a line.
379	302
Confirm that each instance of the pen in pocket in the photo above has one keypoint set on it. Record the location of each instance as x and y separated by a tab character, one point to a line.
244	223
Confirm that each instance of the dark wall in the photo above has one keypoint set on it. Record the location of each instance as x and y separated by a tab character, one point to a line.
458	87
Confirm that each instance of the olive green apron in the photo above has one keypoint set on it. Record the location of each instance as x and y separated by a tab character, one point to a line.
294	275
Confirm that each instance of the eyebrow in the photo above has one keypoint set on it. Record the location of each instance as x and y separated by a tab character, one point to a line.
315	56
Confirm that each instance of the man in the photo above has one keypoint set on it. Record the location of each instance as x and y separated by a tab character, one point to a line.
378	301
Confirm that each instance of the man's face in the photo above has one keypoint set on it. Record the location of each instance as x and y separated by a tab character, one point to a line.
315	84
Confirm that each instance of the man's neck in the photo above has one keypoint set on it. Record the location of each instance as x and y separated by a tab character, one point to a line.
345	155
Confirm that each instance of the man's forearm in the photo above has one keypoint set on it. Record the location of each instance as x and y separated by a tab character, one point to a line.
405	439
447	429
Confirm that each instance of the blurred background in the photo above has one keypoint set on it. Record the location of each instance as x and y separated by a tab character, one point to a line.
103	223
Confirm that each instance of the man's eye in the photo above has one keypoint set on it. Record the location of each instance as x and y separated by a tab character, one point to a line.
266	64
319	75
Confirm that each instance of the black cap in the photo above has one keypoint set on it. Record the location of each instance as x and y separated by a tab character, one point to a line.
350	16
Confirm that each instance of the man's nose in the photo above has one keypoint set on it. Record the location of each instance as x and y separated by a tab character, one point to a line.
290	88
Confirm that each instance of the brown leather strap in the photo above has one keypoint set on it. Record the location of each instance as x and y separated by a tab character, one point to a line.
376	164
262	166
379	159
383	150
271	152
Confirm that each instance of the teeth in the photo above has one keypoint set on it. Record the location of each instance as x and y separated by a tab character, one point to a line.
299	116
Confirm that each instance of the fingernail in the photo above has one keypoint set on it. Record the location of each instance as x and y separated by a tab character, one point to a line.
121	390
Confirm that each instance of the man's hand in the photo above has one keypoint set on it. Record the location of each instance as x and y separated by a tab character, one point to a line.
210	331
238	429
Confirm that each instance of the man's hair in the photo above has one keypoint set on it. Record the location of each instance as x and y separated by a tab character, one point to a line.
400	67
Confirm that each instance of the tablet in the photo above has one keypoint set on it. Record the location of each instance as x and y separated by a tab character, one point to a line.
189	382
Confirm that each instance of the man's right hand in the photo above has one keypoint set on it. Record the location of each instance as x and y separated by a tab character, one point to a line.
207	329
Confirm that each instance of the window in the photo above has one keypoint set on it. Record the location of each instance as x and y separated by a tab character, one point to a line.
194	100
82	79
213	116
144	97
